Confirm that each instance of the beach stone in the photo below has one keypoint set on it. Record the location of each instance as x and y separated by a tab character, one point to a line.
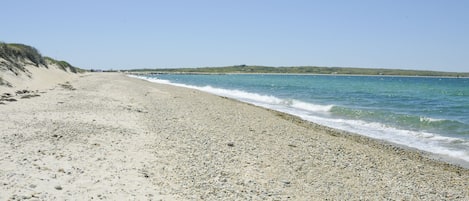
286	182
178	152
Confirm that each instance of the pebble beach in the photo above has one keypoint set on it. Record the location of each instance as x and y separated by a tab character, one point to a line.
107	136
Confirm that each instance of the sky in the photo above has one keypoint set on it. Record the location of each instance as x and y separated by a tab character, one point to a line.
116	34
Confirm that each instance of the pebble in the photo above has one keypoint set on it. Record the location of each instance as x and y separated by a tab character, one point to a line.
188	159
286	182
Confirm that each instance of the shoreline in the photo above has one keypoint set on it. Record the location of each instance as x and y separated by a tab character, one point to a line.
380	143
116	136
309	74
439	157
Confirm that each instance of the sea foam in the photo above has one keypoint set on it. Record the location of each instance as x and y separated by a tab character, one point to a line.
430	142
253	98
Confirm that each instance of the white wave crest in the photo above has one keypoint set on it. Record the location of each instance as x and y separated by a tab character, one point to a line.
254	98
429	142
311	107
428	119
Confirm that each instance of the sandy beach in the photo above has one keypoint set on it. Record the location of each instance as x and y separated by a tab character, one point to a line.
106	136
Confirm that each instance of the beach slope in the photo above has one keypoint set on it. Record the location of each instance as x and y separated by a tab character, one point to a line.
109	136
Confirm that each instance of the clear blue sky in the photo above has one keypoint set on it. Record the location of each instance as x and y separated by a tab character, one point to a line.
405	34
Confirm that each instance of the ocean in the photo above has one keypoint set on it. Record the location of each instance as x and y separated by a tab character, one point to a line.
429	114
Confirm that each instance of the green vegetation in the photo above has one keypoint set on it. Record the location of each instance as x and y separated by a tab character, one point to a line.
15	52
304	70
15	56
64	65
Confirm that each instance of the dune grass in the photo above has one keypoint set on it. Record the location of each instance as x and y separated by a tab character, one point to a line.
16	55
15	52
64	65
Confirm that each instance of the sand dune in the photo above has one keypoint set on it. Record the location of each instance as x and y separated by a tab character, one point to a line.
34	78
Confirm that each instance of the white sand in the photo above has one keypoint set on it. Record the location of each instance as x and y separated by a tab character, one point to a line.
120	138
36	78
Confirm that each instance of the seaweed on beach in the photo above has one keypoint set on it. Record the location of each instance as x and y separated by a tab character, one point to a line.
4	82
8	99
29	96
68	86
24	94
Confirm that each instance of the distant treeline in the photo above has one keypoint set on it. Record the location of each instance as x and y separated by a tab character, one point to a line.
304	70
16	55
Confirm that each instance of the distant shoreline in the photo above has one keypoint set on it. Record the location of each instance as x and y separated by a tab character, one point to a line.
311	74
314	70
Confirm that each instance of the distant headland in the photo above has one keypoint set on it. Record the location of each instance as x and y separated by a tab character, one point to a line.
305	70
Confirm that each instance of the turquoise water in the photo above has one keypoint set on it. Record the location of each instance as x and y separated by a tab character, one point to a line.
431	114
